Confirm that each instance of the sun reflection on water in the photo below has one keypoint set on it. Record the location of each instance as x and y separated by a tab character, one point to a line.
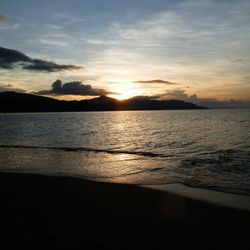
139	147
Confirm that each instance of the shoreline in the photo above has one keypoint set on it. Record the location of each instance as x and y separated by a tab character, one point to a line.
58	212
220	198
215	197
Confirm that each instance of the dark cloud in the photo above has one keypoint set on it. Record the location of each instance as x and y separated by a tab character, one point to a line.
157	81
41	65
238	60
10	59
178	94
3	18
144	97
141	98
72	88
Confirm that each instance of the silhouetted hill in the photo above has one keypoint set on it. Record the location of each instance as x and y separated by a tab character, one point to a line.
20	102
148	104
101	103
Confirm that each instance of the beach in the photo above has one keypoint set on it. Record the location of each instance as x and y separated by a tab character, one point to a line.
49	212
124	125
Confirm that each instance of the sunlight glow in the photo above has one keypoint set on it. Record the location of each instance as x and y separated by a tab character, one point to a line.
125	92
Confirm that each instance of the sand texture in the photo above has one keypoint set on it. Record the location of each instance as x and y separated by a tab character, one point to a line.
41	212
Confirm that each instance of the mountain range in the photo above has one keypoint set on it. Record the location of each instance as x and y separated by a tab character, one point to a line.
22	102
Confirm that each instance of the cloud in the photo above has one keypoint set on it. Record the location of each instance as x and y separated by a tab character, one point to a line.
11	59
9	26
10	87
42	65
73	88
51	42
180	94
3	18
144	97
238	60
156	81
67	19
5	24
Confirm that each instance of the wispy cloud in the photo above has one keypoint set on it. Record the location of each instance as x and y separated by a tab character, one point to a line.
53	27
102	42
9	26
157	81
67	19
202	43
51	42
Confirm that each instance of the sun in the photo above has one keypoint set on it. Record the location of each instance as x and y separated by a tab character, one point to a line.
124	92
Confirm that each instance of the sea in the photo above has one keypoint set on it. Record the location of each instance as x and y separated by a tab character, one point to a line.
207	149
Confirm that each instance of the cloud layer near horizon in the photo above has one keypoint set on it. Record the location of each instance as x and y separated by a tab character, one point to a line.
72	88
11	87
11	59
180	94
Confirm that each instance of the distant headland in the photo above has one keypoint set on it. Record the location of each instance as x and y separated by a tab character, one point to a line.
21	102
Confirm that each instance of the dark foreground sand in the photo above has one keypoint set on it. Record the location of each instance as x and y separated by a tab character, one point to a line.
40	212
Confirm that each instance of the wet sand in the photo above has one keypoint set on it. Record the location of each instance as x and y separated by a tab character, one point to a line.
44	212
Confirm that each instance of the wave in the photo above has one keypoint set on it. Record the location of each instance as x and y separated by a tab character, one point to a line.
86	149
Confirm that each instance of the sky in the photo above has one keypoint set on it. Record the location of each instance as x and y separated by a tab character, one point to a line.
194	50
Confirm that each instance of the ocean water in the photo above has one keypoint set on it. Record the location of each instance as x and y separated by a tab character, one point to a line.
200	148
